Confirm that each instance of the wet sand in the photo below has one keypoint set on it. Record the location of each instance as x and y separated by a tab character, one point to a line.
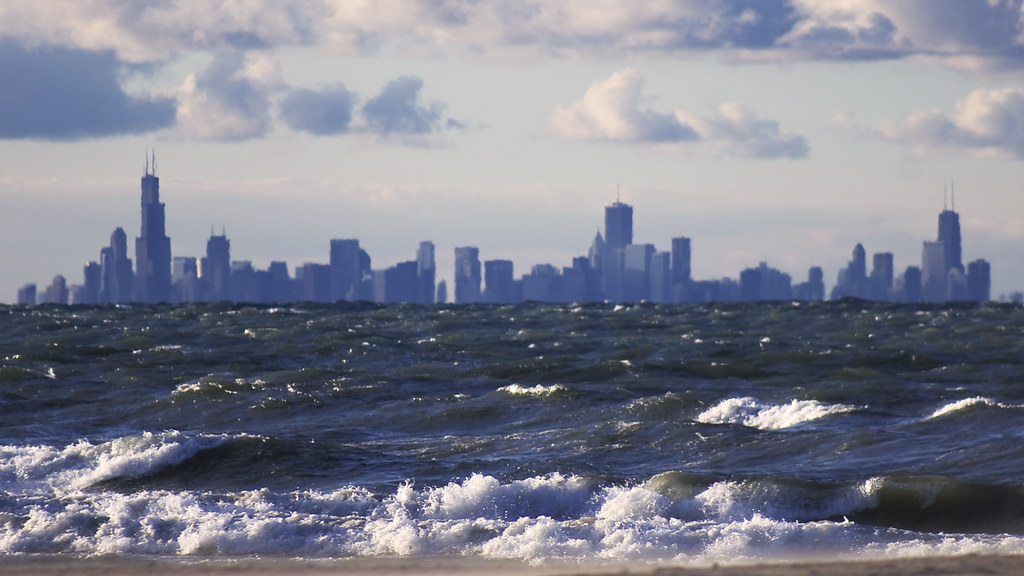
968	565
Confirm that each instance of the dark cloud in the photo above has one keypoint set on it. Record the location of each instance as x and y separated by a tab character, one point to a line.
396	110
61	94
324	112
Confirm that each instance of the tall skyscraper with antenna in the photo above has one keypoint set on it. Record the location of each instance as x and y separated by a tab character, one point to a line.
152	247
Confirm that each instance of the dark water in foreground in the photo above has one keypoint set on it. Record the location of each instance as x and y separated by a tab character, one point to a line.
685	434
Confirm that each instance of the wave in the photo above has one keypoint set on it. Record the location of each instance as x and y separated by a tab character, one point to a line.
673	516
968	403
754	414
538	390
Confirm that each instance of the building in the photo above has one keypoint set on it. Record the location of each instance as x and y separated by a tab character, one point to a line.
216	268
27	295
934	274
152	247
499	284
467	275
636	272
881	281
426	271
979	282
116	276
852	281
350	270
681	274
764	283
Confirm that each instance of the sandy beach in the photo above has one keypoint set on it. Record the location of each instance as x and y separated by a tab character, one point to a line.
967	565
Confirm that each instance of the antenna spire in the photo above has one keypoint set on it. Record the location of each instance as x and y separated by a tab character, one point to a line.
146	173
154	161
616	192
952	195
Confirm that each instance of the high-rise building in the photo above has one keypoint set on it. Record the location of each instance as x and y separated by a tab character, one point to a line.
979	283
934	274
499	285
852	281
216	271
636	272
467	275
27	295
152	247
346	270
880	282
426	271
116	270
618	225
949	235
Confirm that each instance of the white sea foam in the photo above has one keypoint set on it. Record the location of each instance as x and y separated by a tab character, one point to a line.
538	390
539	518
967	403
750	412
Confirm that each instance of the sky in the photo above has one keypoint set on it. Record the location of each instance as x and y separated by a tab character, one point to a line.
783	132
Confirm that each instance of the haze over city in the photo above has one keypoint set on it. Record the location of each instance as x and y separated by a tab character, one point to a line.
776	132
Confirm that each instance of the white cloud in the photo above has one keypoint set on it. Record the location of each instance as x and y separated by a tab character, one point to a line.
610	110
230	100
987	122
737	131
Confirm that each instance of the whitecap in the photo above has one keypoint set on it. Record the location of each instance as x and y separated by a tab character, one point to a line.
752	413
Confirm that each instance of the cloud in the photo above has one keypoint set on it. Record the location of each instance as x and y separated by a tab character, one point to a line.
737	131
324	112
397	111
987	122
230	100
59	94
610	110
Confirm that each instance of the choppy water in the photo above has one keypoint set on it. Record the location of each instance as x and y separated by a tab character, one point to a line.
685	434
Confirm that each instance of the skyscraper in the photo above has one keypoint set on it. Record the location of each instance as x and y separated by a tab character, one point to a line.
467	275
426	271
116	270
152	247
216	271
949	235
618	225
346	270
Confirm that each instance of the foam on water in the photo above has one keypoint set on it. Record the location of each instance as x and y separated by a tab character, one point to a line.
968	403
538	390
752	413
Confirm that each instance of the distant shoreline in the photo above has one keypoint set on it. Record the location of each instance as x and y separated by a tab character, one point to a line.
115	566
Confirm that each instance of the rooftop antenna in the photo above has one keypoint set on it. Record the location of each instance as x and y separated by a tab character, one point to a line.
952	194
154	161
146	173
616	192
944	190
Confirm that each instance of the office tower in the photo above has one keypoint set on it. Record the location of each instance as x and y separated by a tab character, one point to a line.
184	279
636	272
660	279
216	272
316	282
577	281
908	285
979	283
426	271
542	284
467	275
814	289
27	295
400	283
90	293
681	277
442	292
280	283
852	281
934	275
56	292
116	270
499	284
949	235
152	247
764	283
347	270
880	283
618	225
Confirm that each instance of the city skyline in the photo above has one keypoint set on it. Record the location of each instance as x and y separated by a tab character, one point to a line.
615	269
782	131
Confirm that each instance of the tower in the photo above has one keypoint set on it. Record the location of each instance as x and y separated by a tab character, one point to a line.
618	225
216	271
152	247
467	275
